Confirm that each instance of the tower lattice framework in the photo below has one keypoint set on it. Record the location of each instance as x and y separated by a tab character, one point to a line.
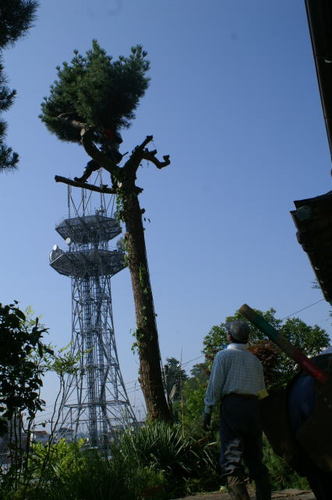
95	403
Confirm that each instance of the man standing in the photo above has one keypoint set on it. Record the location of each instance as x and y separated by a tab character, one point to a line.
237	380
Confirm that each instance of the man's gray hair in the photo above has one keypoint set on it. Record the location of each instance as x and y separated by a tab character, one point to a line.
239	330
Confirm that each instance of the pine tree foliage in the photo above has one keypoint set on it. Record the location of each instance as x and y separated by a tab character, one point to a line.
7	157
16	17
96	91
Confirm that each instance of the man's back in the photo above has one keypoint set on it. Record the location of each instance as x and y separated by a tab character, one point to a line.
234	370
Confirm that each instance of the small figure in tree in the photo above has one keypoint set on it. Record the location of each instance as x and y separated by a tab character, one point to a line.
92	100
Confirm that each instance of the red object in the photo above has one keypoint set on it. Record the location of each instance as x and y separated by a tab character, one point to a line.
310	367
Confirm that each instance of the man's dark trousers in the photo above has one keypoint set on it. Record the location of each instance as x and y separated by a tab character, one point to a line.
241	438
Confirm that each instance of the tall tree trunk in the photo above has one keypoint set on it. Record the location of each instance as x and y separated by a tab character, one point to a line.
124	186
146	332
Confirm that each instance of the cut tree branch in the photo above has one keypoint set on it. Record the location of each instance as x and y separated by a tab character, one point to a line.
151	156
146	141
140	153
100	189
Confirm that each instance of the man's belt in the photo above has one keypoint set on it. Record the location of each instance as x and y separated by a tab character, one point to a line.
248	396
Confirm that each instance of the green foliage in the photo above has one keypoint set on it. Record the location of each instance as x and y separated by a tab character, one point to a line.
22	353
70	472
175	377
193	406
157	462
64	362
168	449
96	90
24	359
193	399
7	157
16	17
74	472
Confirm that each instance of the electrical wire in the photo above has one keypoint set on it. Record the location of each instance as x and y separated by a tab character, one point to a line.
303	309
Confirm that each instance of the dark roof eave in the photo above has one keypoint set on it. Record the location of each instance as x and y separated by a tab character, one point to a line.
319	13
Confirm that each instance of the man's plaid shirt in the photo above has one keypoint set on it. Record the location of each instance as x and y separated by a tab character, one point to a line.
234	370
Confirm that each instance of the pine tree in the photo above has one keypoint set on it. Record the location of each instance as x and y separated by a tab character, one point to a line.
16	17
94	98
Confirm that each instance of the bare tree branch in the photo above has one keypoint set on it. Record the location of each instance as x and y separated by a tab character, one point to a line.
100	189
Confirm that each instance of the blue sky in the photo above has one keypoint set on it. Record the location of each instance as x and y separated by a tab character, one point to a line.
234	100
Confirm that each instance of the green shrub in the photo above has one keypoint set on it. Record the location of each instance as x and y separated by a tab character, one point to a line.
167	449
70	471
155	462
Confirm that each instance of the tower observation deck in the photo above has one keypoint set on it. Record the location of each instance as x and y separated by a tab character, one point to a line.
95	403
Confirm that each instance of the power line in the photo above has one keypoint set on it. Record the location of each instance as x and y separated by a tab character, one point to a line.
190	360
303	309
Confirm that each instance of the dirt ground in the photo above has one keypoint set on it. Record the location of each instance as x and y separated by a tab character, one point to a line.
291	494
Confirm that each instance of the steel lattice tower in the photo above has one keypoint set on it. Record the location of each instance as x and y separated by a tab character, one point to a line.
95	402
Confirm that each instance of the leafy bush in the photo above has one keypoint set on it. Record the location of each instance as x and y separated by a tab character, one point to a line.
70	471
